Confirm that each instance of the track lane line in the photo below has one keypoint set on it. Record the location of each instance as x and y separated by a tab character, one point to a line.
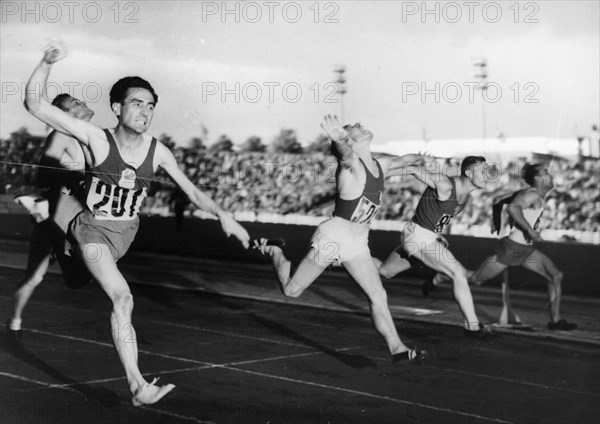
370	395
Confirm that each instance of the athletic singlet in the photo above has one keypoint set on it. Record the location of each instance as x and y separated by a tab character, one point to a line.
363	209
434	214
57	173
116	189
533	217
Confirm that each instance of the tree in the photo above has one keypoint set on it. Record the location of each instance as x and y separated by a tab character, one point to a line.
223	144
167	140
253	144
321	144
197	143
286	142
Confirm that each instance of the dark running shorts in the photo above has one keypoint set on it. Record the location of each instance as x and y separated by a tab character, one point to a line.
511	253
117	235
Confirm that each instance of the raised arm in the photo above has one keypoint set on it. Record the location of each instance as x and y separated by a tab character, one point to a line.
39	107
524	200
166	160
343	152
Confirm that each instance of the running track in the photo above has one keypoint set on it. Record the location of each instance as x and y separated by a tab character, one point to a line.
237	360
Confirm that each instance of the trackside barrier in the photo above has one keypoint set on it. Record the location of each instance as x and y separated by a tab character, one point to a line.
199	237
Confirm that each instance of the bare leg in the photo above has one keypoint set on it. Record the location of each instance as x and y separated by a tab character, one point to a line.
439	258
489	268
311	267
542	265
507	316
103	267
393	265
363	270
37	264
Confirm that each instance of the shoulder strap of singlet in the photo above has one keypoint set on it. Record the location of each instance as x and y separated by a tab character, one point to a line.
379	168
497	210
453	193
150	156
367	169
110	138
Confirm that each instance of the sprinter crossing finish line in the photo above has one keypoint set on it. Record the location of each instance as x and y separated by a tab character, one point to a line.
124	160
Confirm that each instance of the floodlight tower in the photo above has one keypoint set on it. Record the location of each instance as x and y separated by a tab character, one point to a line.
480	73
340	71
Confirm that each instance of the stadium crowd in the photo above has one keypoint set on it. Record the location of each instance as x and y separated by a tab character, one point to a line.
303	183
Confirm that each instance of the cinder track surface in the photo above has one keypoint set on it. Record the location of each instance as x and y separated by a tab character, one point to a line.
239	352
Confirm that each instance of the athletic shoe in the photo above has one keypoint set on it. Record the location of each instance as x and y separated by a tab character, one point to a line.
561	325
428	286
149	393
13	329
411	355
484	334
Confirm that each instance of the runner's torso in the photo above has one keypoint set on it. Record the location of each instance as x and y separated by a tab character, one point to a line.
435	214
533	216
62	176
363	209
115	190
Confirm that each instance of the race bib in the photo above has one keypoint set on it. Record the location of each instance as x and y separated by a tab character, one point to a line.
111	202
365	211
443	223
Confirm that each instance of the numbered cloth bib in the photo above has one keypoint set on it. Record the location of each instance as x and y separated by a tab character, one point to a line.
110	201
442	223
365	211
115	189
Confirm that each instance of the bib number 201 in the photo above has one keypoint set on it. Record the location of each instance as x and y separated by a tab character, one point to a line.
113	202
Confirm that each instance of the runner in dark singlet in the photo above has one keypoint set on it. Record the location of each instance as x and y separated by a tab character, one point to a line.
344	237
124	158
444	197
61	173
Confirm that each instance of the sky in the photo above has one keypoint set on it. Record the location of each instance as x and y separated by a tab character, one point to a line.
253	68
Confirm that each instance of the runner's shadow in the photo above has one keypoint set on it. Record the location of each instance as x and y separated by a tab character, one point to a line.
10	345
337	300
354	361
157	294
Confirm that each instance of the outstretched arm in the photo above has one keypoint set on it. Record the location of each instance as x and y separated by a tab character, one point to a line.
39	107
333	128
429	171
409	164
230	226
